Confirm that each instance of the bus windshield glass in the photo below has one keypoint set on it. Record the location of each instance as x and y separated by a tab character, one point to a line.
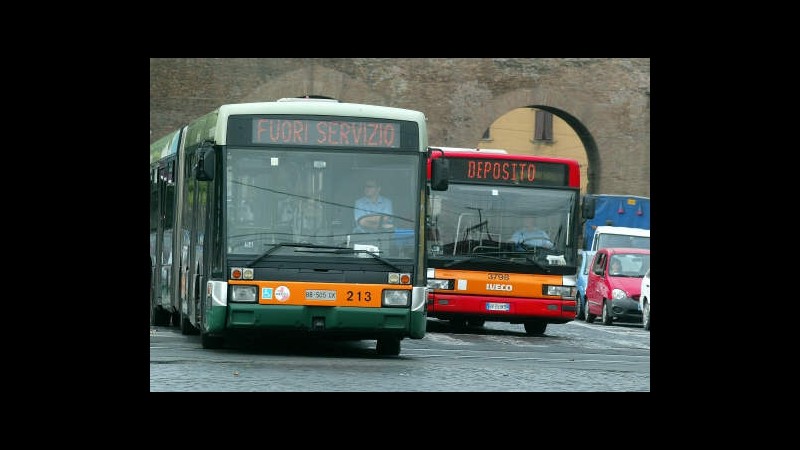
508	222
280	195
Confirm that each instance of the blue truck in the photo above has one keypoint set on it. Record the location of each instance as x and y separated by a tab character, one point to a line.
612	210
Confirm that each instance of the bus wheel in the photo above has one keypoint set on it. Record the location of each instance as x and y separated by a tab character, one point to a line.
458	323
534	327
184	323
160	317
476	322
186	326
388	346
211	341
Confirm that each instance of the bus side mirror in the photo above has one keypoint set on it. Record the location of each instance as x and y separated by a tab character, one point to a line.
204	171
587	208
440	174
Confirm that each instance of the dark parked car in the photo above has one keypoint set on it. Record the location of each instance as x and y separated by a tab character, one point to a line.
614	284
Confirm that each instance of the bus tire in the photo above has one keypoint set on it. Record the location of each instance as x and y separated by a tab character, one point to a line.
183	321
161	317
388	346
476	322
458	323
535	327
211	342
186	326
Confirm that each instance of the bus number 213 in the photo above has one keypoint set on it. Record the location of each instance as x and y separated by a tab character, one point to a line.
359	296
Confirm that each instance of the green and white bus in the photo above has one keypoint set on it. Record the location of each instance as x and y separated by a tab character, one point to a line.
252	223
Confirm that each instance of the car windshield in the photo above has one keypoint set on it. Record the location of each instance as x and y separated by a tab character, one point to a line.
629	265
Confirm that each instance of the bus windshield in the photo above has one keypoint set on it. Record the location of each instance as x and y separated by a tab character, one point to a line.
279	196
472	219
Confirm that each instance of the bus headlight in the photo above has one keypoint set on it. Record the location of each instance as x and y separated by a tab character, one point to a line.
241	293
438	283
565	292
396	298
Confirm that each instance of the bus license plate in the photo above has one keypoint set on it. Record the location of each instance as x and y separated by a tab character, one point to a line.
498	306
318	294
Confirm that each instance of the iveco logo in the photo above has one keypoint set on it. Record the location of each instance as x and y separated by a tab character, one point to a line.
498	287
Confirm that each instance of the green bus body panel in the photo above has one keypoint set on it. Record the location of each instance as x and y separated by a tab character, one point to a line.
203	129
419	323
163	147
214	319
292	317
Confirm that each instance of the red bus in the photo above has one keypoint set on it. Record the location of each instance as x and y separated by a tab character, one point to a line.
483	264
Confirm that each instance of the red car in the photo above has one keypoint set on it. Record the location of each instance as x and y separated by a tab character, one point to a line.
614	284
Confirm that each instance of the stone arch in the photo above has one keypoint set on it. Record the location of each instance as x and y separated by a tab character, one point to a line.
553	101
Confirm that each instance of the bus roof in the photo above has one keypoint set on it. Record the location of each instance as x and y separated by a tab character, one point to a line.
499	154
471	150
213	126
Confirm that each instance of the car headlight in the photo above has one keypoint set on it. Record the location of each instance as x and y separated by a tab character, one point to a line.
618	294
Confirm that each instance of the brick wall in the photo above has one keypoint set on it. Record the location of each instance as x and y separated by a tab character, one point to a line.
606	101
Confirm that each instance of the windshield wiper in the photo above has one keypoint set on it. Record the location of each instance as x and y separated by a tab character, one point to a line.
374	255
481	256
292	244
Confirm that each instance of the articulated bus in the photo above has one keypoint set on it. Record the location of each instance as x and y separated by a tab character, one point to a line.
252	223
479	268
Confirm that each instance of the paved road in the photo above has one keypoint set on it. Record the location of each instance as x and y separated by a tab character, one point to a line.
500	357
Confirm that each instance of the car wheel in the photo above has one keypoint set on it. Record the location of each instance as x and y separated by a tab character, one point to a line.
607	320
579	314
588	317
646	316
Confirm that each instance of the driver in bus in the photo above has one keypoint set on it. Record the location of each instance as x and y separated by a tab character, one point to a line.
373	211
530	236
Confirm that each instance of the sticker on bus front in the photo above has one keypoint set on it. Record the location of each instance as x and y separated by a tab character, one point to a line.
282	293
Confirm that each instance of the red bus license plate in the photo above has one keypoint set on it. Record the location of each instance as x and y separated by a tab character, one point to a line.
497	306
